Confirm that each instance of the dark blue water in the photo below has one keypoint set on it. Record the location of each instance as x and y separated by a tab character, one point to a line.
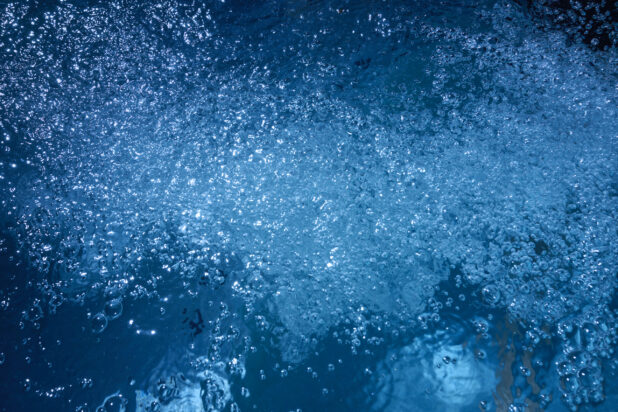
308	205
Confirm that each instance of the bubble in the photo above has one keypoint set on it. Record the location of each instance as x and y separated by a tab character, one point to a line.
35	312
2	358
55	301
113	308
491	295
98	323
570	383
588	377
113	403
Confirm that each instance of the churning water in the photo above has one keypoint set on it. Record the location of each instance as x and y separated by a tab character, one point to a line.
307	205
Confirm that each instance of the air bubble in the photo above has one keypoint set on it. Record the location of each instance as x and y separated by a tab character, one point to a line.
113	309
491	295
114	402
98	323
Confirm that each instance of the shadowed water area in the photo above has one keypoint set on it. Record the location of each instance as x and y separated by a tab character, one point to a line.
308	206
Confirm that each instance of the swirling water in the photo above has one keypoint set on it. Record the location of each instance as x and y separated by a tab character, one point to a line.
306	205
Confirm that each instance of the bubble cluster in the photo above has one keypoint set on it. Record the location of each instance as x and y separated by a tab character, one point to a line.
221	184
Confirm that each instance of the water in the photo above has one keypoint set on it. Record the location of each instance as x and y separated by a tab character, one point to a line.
306	206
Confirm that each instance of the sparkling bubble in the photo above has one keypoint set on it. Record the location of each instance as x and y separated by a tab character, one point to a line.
113	308
115	402
98	323
491	295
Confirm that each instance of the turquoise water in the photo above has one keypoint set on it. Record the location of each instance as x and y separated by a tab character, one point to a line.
312	205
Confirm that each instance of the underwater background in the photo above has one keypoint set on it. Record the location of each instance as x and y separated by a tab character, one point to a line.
308	205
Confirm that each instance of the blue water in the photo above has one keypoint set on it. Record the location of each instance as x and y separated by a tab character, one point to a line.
306	205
